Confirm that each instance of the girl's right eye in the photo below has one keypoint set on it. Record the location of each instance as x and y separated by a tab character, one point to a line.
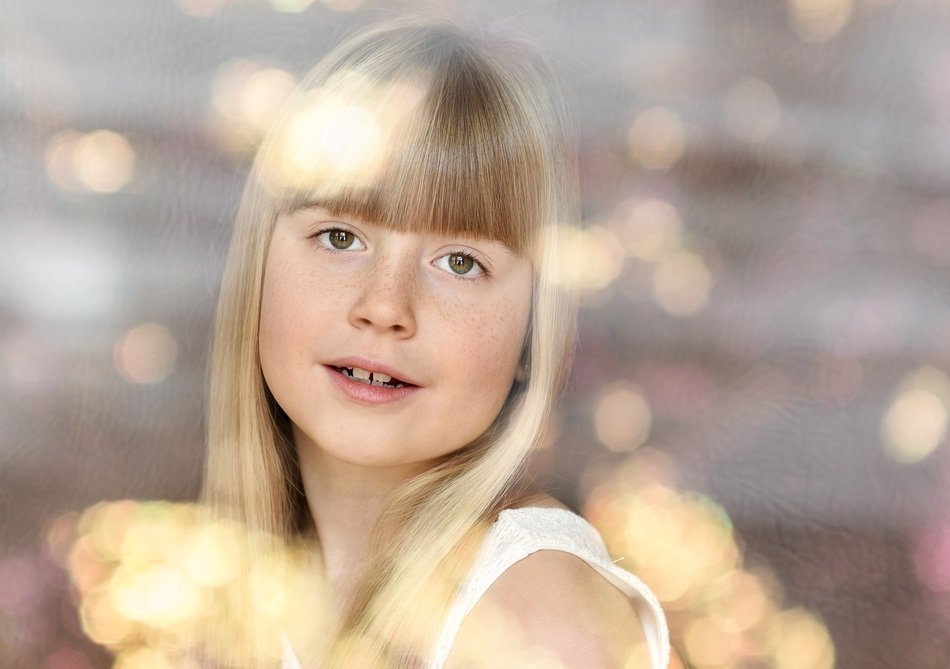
338	239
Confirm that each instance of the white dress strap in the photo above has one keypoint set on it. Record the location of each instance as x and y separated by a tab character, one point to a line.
520	532
289	659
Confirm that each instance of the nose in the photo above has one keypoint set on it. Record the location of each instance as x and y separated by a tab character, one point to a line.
385	301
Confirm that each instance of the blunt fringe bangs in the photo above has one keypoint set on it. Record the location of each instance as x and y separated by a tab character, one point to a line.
421	131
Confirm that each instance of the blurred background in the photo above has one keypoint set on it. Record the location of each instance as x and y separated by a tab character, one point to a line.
758	416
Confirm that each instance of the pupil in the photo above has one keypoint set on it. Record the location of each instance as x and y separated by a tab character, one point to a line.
461	264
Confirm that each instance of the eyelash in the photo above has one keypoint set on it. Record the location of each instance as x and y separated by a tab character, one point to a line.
470	256
456	252
328	246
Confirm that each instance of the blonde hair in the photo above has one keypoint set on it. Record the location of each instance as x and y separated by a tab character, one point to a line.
459	134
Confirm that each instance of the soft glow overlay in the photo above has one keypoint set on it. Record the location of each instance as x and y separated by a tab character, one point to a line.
759	417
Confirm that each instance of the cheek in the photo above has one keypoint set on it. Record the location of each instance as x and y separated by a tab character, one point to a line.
284	314
273	330
489	337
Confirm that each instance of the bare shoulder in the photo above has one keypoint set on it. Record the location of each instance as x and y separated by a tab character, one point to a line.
540	500
551	609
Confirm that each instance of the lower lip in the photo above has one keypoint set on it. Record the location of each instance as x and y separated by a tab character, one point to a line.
365	393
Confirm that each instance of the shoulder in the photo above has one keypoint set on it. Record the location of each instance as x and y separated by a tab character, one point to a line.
548	606
536	499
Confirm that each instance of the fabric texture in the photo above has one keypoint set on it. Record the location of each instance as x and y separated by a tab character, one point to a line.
518	533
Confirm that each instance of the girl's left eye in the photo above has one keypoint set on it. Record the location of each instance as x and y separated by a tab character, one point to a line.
338	239
460	264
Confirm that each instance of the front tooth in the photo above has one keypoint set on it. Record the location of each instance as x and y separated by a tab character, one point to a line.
384	378
361	374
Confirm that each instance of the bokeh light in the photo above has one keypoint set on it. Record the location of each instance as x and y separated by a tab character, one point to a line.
703	638
246	97
103	622
657	138
650	228
345	137
741	600
915	424
146	354
593	258
622	418
819	20
143	658
678	569
721	613
340	135
145	576
102	161
211	553
60	167
681	283
800	641
752	110
143	573
60	536
160	594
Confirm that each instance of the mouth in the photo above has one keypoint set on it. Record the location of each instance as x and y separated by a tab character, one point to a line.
372	378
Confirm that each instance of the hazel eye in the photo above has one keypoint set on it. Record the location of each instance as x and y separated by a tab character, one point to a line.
339	239
460	264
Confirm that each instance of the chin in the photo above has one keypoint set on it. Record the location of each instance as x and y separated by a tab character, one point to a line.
358	451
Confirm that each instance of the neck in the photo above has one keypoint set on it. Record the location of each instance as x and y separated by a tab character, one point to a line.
345	501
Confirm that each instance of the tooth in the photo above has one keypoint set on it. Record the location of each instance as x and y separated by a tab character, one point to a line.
379	376
361	374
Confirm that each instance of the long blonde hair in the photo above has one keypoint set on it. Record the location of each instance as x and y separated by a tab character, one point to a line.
451	133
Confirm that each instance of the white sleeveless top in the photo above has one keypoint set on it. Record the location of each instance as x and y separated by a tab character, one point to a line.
520	532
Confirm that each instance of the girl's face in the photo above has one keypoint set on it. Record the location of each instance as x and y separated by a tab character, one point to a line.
343	298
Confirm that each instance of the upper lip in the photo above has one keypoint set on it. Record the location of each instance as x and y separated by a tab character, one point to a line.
373	366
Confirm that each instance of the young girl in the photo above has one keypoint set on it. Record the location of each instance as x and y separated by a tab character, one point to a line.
390	338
